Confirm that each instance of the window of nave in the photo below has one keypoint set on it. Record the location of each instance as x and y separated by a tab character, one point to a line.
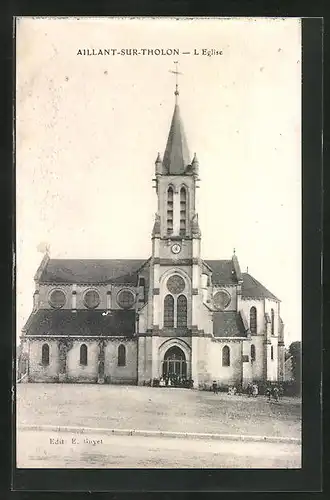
91	299
225	356
272	316
121	355
253	320
83	355
45	355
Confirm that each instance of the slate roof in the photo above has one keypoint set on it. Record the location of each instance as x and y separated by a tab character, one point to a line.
176	156
84	322
251	288
228	324
223	272
91	271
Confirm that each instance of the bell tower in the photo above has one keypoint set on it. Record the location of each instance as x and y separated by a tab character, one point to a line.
176	237
176	177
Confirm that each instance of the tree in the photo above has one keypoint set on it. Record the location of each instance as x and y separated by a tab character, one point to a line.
295	352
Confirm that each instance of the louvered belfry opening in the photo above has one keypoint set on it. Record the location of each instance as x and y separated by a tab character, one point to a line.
183	211
170	210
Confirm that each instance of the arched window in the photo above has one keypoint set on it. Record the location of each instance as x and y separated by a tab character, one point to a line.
170	210
183	211
45	354
181	311
272	315
271	352
225	356
121	355
253	352
83	354
169	311
253	320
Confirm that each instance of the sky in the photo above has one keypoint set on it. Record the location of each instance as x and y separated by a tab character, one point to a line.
88	130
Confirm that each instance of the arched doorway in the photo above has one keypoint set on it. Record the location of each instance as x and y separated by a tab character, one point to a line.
174	363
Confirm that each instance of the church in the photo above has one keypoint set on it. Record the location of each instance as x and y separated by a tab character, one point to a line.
134	321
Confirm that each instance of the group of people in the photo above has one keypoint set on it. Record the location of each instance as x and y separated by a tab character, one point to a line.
253	390
175	381
274	391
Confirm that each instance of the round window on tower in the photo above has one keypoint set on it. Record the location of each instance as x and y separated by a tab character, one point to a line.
57	299
91	299
221	300
126	299
175	284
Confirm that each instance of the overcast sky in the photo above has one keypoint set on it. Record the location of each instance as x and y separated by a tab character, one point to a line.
89	129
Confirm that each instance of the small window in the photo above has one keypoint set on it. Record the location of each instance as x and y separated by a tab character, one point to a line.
253	352
226	356
83	355
57	299
253	320
121	355
272	314
126	299
271	352
91	299
45	354
221	300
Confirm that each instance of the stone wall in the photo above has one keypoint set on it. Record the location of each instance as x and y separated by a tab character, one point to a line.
77	372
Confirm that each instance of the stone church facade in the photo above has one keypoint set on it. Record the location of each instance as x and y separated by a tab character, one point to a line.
131	321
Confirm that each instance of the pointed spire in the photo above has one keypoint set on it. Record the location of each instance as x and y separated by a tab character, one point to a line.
158	159
176	156
236	267
195	164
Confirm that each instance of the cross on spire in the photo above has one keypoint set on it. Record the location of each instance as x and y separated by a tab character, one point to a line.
176	73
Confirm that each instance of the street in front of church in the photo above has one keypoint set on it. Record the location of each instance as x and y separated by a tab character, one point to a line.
87	450
68	425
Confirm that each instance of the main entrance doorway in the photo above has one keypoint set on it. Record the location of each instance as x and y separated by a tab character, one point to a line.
174	363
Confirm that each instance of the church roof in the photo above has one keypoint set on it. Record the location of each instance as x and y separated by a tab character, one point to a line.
223	272
251	288
228	324
122	271
176	156
82	322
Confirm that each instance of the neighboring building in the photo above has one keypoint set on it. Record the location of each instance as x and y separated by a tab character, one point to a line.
130	321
